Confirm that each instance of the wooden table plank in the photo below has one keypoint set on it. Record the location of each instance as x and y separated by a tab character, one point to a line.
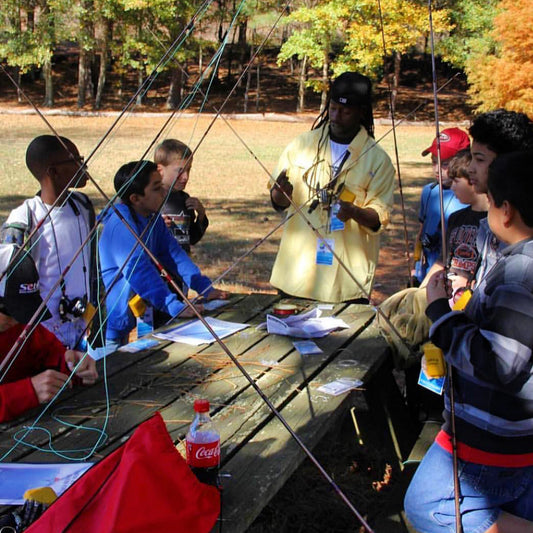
136	383
267	460
257	450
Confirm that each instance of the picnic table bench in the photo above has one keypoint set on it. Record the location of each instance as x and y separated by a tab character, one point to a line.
258	454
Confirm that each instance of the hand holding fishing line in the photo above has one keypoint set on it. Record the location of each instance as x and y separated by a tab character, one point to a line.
48	383
84	366
282	190
438	287
195	204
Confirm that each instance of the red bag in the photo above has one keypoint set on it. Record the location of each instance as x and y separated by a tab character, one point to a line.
144	486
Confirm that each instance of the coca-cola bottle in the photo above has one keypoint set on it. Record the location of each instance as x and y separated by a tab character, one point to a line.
203	445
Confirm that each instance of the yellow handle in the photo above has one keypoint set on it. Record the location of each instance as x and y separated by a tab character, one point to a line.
461	302
435	367
137	306
347	195
417	254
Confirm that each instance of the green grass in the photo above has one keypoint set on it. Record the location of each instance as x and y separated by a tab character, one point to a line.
225	176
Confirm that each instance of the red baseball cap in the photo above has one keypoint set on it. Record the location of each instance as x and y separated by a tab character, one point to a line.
452	140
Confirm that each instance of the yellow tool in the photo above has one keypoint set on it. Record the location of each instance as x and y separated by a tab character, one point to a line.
137	306
435	367
347	195
460	304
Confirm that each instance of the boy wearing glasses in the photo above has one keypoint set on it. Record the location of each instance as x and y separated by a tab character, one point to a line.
64	219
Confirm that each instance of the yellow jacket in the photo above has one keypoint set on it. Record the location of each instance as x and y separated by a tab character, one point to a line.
368	173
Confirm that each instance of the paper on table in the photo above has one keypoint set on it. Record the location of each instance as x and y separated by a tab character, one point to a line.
195	333
17	478
307	325
307	347
211	305
334	388
138	345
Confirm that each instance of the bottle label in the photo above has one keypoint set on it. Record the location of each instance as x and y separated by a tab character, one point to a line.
204	454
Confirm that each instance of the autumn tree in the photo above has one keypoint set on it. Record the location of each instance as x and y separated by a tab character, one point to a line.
471	30
336	36
28	37
504	78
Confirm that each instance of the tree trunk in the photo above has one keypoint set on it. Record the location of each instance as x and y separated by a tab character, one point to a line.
395	80
258	90
248	80
140	78
176	88
48	83
300	106
20	97
84	72
325	82
243	26
104	48
200	58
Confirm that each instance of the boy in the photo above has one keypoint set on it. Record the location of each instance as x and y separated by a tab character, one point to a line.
183	214
41	366
463	225
490	347
452	140
494	133
140	187
57	166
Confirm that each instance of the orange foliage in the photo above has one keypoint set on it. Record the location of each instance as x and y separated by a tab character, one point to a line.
506	79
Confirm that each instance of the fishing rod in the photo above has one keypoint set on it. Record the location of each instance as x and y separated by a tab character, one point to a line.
169	279
189	27
456	483
396	154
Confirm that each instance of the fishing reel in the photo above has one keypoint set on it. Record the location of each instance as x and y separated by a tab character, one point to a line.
71	309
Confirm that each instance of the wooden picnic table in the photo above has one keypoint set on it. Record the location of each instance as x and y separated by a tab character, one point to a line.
258	454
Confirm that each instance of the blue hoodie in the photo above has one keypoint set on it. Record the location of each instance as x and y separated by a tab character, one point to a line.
140	275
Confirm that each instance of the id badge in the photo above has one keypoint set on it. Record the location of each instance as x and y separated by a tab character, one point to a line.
145	322
335	224
324	255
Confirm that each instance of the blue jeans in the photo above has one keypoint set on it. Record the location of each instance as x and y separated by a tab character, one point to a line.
485	492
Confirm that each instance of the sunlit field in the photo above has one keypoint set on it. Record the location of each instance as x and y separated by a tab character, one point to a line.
230	175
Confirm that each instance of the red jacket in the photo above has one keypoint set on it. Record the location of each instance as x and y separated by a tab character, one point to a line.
41	351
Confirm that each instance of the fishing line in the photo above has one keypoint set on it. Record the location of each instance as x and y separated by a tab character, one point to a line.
456	484
185	298
397	156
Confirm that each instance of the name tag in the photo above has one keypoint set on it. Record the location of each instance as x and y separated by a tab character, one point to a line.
335	224
324	255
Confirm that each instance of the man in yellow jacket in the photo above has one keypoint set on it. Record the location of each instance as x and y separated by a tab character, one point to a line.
343	182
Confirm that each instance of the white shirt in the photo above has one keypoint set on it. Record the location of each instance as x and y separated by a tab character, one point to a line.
53	248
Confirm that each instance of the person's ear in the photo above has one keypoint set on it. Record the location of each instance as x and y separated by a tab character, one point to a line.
51	171
134	199
509	213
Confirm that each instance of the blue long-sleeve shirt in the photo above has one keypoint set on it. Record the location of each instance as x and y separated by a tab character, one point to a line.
140	275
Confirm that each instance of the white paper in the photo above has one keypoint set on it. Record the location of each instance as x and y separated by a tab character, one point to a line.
17	478
307	347
307	325
211	305
339	386
138	345
195	333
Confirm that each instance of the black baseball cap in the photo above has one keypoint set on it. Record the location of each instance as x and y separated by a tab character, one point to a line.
351	89
19	287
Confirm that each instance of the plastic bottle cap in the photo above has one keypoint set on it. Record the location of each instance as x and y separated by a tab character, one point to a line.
201	406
